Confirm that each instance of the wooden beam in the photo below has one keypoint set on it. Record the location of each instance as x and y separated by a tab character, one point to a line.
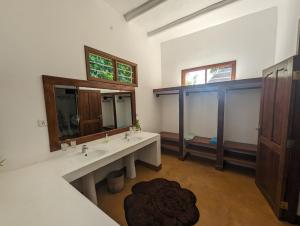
298	43
191	16
182	154
115	112
220	132
142	9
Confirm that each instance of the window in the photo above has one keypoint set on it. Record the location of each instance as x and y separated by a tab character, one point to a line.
101	66
125	72
209	74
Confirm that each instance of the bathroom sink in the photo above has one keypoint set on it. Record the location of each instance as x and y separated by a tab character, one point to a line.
95	153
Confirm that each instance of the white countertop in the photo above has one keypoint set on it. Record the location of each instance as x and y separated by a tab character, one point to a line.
40	195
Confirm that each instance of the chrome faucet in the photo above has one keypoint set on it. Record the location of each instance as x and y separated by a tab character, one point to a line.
126	136
84	149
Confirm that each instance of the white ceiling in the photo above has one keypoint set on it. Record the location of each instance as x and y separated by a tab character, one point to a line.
123	6
171	10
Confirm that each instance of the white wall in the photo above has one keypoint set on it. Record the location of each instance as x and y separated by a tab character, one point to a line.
201	114
251	41
47	37
287	30
169	120
242	110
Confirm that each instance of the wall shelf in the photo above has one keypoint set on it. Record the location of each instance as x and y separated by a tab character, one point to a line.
240	154
201	147
252	83
241	147
231	152
202	142
167	91
170	147
168	136
240	162
201	153
235	153
170	141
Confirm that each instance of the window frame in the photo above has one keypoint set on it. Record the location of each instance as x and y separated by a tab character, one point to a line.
184	72
114	60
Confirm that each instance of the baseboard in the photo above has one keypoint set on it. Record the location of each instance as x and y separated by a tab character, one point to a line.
148	165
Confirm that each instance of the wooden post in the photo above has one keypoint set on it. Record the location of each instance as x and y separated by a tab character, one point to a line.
182	154
220	132
115	111
298	44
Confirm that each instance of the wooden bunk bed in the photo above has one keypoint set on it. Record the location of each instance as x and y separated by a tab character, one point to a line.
224	151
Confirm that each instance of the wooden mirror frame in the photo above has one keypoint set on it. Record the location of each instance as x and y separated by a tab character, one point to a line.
49	83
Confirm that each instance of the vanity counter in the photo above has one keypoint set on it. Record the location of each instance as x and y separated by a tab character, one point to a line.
40	195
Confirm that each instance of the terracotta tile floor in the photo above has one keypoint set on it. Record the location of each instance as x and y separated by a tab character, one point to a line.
224	198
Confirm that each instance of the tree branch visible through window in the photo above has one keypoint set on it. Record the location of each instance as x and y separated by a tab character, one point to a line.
209	73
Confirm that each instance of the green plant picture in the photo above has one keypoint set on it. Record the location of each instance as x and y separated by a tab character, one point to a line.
125	72
101	67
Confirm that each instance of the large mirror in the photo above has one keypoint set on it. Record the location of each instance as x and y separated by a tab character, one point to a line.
83	111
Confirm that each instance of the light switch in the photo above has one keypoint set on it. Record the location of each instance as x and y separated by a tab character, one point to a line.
42	123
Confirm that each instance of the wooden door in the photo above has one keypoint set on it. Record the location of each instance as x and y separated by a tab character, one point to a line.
293	178
90	112
273	133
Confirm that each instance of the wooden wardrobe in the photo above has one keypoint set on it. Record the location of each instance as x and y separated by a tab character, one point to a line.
278	160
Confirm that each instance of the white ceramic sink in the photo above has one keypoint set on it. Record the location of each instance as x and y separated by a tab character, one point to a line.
95	153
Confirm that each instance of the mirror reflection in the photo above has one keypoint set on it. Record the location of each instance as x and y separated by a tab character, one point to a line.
84	111
123	110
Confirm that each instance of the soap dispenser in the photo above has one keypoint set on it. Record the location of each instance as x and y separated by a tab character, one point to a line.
106	138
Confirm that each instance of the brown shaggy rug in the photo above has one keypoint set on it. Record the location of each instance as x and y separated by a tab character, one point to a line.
160	202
